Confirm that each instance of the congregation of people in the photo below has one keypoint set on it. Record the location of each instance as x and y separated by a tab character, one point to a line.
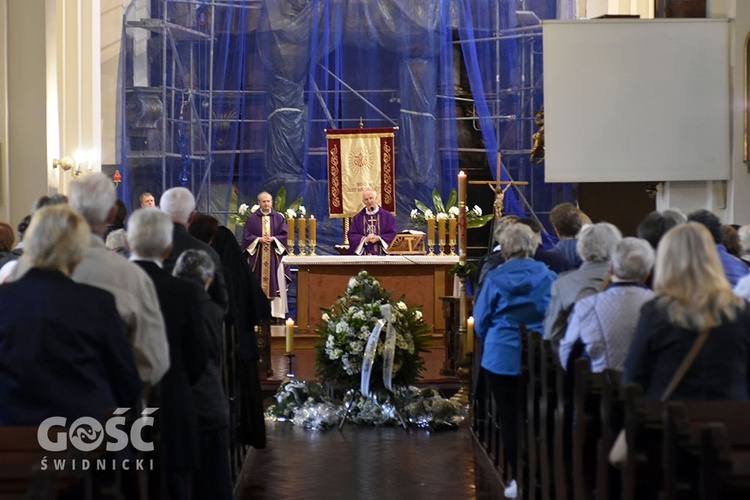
100	311
633	304
159	319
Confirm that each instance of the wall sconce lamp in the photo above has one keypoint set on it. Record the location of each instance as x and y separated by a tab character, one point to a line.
65	163
81	163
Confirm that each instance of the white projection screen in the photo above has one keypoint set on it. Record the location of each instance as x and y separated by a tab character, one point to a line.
636	100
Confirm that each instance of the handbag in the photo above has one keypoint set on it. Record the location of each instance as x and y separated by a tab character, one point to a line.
618	454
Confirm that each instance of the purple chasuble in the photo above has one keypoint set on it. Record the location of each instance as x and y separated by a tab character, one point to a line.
382	223
264	258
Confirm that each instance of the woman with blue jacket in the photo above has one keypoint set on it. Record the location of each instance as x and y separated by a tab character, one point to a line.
515	293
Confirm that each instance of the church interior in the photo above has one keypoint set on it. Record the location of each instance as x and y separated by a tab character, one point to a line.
369	377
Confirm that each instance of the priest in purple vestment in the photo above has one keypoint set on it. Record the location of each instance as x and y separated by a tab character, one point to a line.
372	229
264	240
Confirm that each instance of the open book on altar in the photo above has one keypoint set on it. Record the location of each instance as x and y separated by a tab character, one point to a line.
406	243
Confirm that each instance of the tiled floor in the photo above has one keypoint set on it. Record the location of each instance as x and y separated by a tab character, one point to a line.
366	463
361	463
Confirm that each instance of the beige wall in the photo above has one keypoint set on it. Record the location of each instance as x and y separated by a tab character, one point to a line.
111	34
588	9
30	111
739	186
50	95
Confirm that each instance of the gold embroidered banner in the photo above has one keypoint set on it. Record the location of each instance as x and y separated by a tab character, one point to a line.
359	158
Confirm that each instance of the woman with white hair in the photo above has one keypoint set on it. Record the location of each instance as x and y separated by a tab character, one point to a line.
595	246
604	323
214	479
693	299
63	347
514	293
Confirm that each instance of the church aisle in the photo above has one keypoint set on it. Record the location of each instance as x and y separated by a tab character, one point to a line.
365	463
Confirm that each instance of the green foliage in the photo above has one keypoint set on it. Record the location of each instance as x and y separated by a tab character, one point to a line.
463	270
449	209
345	328
279	204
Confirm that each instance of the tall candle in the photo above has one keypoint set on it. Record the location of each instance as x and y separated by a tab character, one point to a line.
290	235
461	187
452	230
441	233
470	335
431	232
290	335
301	223
312	229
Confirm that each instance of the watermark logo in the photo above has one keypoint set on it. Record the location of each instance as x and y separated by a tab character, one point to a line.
87	434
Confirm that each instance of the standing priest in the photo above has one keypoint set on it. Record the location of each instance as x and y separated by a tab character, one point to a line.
264	239
372	229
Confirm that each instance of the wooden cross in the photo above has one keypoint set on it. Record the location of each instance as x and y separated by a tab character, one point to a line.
498	189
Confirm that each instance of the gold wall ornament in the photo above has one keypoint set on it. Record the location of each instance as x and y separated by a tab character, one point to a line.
65	163
537	150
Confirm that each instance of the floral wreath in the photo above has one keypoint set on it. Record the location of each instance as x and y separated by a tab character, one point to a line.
346	327
344	331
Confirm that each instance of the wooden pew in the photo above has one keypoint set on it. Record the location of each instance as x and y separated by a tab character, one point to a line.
684	423
533	422
686	450
725	464
522	474
612	416
641	477
21	472
547	404
563	431
587	395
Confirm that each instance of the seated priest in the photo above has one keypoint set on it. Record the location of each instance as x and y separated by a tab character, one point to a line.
372	229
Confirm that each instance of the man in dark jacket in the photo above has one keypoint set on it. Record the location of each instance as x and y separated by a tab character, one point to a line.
150	239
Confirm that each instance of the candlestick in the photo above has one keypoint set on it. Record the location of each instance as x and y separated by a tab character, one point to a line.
312	230
470	335
301	224
451	235
290	235
290	335
431	234
441	235
289	371
461	187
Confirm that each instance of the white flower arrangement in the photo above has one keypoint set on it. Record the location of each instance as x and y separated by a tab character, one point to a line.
293	213
345	329
442	211
243	211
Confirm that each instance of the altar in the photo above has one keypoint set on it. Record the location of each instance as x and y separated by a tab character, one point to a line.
423	279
